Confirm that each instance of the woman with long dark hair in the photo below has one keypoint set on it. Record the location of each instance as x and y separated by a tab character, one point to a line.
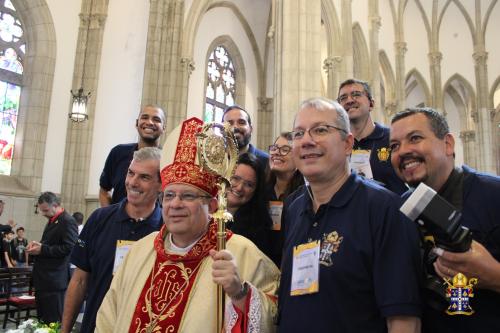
247	201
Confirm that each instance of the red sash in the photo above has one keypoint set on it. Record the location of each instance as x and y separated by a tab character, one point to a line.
165	294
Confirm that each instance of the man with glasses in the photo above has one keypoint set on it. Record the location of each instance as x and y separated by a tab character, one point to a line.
240	121
371	154
350	259
108	234
168	280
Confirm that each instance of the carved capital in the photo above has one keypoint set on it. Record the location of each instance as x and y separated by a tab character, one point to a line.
400	47
468	136
331	63
435	58
187	65
493	113
265	104
92	21
480	57
376	22
391	107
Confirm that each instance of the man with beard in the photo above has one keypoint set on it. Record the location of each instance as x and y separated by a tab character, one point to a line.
422	150
150	125
370	155
240	121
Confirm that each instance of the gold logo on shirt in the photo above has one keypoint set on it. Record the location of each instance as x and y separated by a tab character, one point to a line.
329	245
383	154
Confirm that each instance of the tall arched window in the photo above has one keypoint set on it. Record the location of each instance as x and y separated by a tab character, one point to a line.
12	51
221	84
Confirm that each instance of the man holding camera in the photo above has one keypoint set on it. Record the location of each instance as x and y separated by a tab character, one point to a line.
422	150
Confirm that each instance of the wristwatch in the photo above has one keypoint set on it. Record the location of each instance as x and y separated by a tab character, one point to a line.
243	292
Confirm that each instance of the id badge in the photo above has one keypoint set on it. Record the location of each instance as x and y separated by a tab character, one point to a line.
305	270
360	162
122	248
275	209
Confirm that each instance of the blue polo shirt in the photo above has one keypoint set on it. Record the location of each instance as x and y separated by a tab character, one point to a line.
380	163
115	170
481	214
262	156
94	251
371	274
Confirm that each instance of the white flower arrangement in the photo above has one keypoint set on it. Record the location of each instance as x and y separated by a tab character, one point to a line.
34	326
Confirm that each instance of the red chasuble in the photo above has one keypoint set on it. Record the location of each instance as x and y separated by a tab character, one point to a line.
165	294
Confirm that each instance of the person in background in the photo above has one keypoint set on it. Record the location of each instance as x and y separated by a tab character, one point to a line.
246	200
11	224
51	257
282	180
240	121
371	154
18	247
150	124
6	252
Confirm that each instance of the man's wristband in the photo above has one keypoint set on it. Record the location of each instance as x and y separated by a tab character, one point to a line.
243	292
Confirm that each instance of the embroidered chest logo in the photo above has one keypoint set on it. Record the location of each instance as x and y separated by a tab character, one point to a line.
330	244
383	154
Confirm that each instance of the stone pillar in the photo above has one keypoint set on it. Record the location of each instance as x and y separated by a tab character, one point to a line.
374	20
79	135
297	57
331	66
469	145
435	58
166	71
400	75
347	71
486	161
264	125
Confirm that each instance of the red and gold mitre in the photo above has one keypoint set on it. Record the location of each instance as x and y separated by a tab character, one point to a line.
179	159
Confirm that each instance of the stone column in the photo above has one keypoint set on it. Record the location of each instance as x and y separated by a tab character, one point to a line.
469	144
374	20
166	72
435	58
347	44
265	122
79	135
400	75
331	66
297	57
486	161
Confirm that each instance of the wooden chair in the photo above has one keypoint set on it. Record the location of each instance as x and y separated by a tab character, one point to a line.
21	295
4	289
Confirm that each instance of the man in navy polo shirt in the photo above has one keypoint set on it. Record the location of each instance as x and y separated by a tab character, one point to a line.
350	260
101	245
423	151
150	125
371	155
240	121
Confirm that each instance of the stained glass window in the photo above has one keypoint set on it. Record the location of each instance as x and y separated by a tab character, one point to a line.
221	84
12	51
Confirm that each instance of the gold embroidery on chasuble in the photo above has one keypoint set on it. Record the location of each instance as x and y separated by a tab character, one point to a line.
165	294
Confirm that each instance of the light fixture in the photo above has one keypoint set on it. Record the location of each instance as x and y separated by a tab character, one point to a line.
79	112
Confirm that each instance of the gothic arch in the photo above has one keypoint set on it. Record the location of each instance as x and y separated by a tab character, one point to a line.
27	165
463	96
194	17
491	98
361	56
415	79
388	77
332	27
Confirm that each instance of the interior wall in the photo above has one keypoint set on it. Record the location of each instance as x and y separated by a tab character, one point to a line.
120	81
66	23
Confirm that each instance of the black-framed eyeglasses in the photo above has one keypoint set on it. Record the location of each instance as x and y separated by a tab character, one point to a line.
354	95
188	197
315	132
281	150
237	180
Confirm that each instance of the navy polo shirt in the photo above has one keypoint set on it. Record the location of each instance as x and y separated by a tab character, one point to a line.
115	170
262	156
373	272
481	214
94	251
381	166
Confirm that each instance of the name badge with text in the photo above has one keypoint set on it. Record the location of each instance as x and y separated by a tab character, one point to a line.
360	162
122	248
305	271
